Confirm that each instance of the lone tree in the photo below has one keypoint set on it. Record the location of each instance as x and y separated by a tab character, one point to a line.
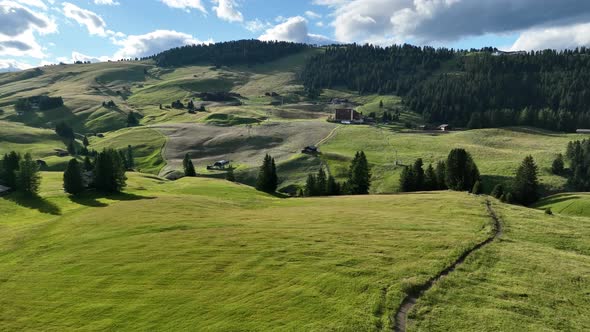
73	181
28	177
267	180
129	160
189	168
526	182
109	172
461	171
132	120
10	166
558	166
359	175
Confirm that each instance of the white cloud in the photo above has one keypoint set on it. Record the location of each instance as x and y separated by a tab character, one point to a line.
436	21
18	27
11	65
33	3
570	36
185	4
106	2
294	29
93	22
256	25
137	46
226	10
312	15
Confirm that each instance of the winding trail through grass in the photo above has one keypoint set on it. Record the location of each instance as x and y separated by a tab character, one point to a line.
401	316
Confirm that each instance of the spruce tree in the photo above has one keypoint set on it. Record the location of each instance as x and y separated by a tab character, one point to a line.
441	171
322	182
267	179
311	186
130	162
132	120
430	180
461	171
187	165
28	177
333	187
88	166
73	181
526	182
359	178
418	171
72	148
274	178
85	142
10	166
109	172
558	165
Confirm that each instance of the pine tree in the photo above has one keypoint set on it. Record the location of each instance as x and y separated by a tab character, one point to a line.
274	178
85	142
526	182
311	186
322	182
72	148
461	171
10	166
88	166
418	172
109	172
229	176
267	179
189	168
498	191
73	181
333	187
130	162
430	180
359	178
558	165
28	177
406	180
441	174
132	120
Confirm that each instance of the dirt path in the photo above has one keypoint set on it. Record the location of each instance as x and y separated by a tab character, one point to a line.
401	316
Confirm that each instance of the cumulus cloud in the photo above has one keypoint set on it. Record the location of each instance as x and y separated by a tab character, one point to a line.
564	37
226	10
137	46
18	27
427	21
185	4
93	22
294	29
312	15
11	65
106	2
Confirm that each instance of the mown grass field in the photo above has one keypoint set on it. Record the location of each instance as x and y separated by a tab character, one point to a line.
536	278
497	152
207	254
571	204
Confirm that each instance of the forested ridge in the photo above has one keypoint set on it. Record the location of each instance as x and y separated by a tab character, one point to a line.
240	52
481	88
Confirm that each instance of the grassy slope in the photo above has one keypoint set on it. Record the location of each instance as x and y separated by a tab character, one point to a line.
497	152
39	142
205	253
574	204
534	279
147	146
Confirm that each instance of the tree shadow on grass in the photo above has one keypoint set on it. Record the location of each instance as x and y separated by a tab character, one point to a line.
35	202
91	199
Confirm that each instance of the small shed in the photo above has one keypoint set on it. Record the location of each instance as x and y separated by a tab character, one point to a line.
444	127
310	150
222	164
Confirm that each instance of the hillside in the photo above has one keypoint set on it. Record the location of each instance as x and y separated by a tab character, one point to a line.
202	252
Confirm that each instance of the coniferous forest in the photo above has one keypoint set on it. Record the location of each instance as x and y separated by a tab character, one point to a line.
477	88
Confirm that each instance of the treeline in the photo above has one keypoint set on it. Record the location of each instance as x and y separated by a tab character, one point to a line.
358	182
41	103
20	173
547	89
241	52
578	155
460	173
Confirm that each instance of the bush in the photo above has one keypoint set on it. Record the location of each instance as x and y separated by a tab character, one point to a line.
548	211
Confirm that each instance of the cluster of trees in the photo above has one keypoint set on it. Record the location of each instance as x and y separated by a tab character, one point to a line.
106	174
525	185
241	52
547	89
132	120
21	173
578	156
43	103
459	173
358	182
267	179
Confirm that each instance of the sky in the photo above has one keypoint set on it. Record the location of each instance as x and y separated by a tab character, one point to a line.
39	32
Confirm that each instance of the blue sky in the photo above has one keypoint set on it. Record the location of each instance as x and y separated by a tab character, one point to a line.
35	32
